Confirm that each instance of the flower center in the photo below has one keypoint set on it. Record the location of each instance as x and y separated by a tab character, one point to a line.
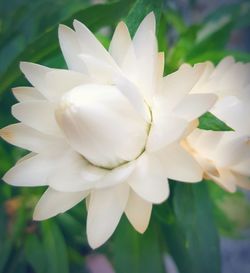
102	125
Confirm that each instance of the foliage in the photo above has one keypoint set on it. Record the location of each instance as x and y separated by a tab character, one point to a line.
183	226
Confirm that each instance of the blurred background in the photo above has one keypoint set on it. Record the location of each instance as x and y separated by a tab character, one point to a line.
190	31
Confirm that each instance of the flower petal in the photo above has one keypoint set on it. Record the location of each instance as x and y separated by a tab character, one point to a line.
105	119
178	84
23	94
60	81
38	115
25	137
194	105
116	176
106	207
148	180
74	174
36	75
164	131
120	43
147	56
90	45
138	212
224	179
179	164
71	49
31	172
54	202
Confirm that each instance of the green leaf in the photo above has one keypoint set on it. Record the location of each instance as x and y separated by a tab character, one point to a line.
35	253
208	121
47	45
56	252
189	229
140	9
136	253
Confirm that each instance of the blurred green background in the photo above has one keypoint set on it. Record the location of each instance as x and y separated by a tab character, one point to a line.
188	31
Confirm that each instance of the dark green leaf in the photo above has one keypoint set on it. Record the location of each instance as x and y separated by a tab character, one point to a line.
208	121
35	253
56	252
136	253
47	45
189	229
140	9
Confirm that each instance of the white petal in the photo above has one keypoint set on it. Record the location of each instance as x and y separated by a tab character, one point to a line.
36	75
138	212
179	164
100	71
242	181
145	46
148	180
194	105
120	43
71	49
105	210
30	139
54	202
116	176
90	45
112	131
164	131
60	81
222	67
233	152
242	168
31	172
38	115
178	84
74	174
131	92
224	179
23	94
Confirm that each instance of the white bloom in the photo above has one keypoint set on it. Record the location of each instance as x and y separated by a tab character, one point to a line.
225	156
107	129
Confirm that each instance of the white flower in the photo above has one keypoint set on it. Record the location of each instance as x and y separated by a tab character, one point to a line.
225	156
108	129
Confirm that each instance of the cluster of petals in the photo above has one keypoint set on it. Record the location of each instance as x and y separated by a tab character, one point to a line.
225	156
110	129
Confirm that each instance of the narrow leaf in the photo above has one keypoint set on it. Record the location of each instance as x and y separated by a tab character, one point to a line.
208	121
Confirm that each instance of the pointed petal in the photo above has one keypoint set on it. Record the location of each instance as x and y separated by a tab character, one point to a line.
74	174
38	115
194	105
100	71
120	43
105	210
36	74
23	94
138	212
25	137
90	45
164	131
116	176
147	56
60	81
179	164
178	84
54	202
131	92
225	179
71	49
242	168
31	172
242	181
148	180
